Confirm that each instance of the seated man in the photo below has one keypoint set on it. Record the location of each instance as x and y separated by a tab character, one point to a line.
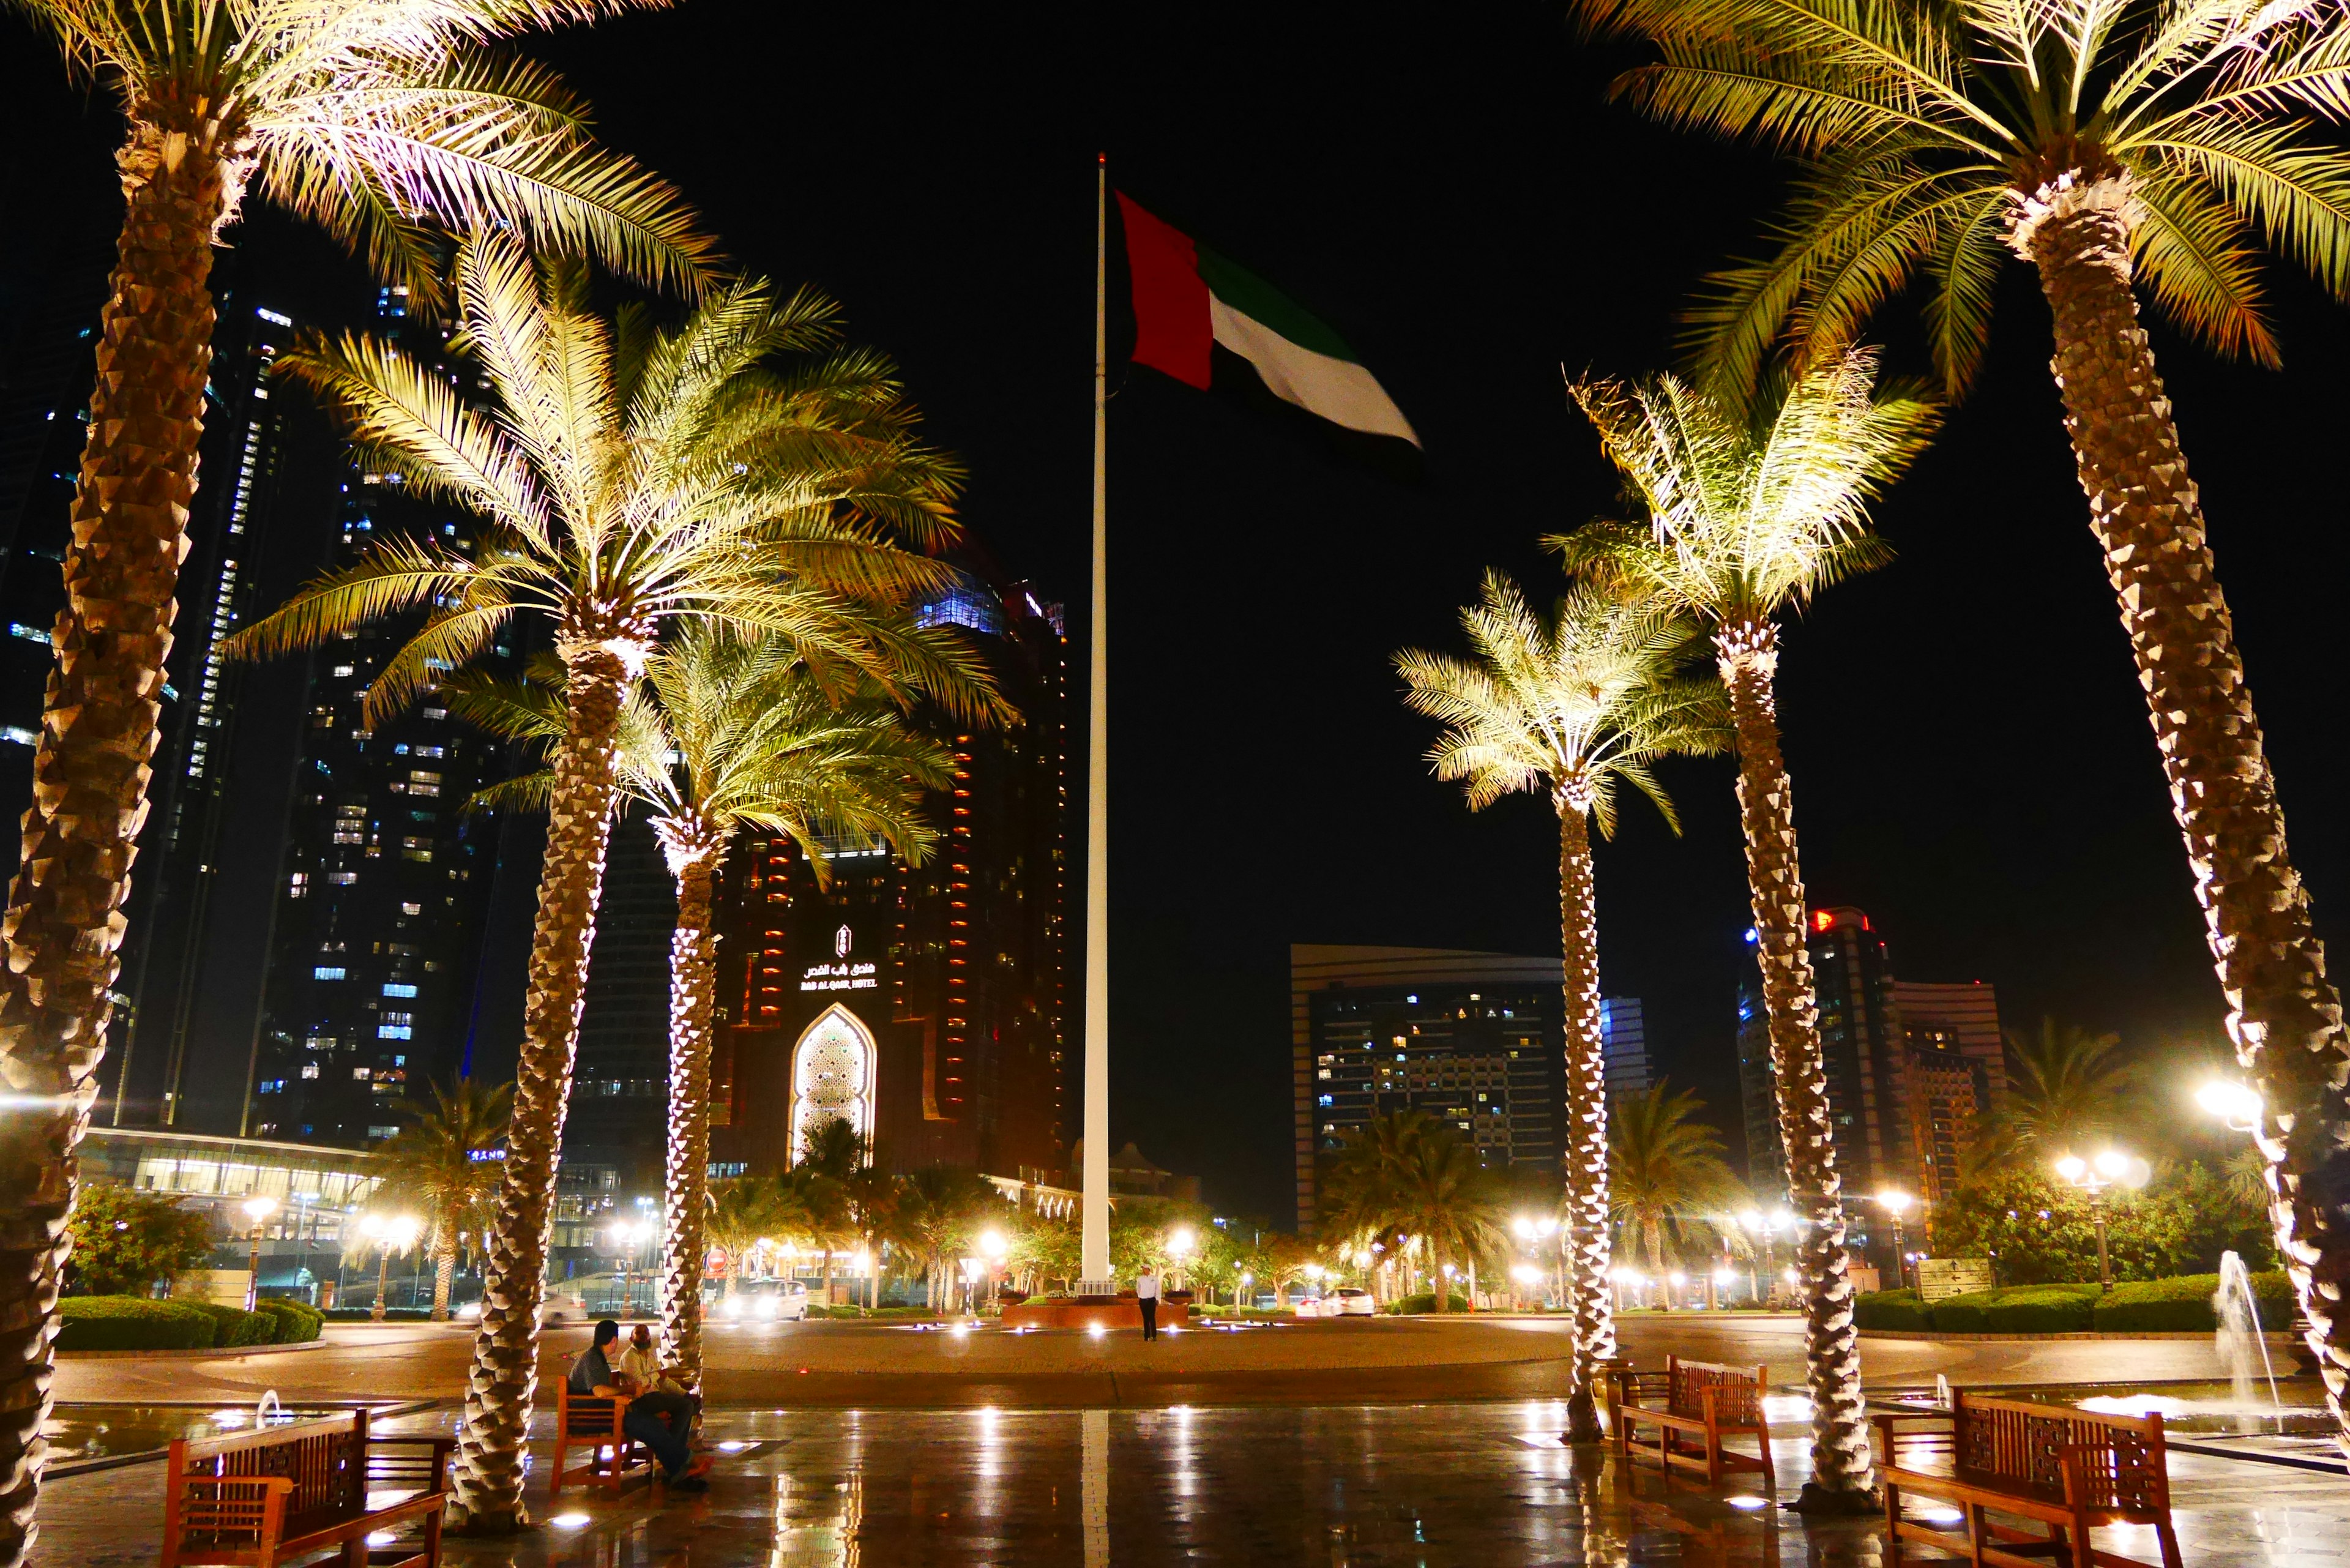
592	1375
650	1388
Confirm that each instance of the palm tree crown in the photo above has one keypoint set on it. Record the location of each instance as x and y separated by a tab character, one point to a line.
382	122
1580	700
1747	516
2066	1088
1665	1170
631	477
1936	137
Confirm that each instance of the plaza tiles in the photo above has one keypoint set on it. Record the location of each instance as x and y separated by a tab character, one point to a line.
1427	1486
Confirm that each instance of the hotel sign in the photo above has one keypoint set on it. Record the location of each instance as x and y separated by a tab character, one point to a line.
839	977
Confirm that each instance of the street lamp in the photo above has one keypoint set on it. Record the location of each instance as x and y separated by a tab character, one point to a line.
258	1208
623	1236
2093	1177
1180	1244
2236	1104
1896	1203
994	1247
389	1233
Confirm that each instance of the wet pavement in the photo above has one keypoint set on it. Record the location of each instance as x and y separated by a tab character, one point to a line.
1430	1484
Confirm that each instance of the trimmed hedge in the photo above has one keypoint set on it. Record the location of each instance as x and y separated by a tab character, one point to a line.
298	1323
1892	1311
367	1315
1425	1301
238	1327
2019	1309
2183	1305
133	1323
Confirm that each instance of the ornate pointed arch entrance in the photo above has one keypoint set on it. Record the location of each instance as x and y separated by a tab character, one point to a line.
833	1070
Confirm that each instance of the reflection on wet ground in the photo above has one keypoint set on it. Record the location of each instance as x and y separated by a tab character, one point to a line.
1331	1486
80	1433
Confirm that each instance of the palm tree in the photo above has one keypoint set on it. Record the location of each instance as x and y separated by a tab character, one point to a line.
1668	1171
1573	703
630	478
2066	1089
741	1211
444	1160
938	1206
739	733
832	1152
1409	1174
382	123
2176	138
1746	516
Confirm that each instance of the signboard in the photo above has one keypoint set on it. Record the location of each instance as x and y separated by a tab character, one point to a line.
222	1287
1939	1277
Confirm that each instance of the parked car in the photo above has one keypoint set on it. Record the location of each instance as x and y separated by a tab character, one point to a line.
1351	1303
766	1300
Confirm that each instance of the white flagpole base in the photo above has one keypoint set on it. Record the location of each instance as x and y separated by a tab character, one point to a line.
1106	1287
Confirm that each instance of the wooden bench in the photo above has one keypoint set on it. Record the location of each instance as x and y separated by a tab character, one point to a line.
1703	1402
593	1422
2066	1471
294	1493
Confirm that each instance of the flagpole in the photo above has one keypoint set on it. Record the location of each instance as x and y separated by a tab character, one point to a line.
1094	1250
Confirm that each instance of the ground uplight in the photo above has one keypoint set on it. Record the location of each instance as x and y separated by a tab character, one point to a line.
568	1521
1941	1515
1748	1502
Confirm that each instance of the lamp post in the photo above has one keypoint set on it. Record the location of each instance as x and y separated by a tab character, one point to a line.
1180	1244
258	1208
2236	1104
1896	1203
994	1247
2093	1177
623	1237
389	1233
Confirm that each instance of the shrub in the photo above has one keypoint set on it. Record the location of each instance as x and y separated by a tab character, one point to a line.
1895	1311
1425	1302
124	1240
2040	1309
2183	1304
132	1322
298	1323
1963	1314
238	1327
393	1315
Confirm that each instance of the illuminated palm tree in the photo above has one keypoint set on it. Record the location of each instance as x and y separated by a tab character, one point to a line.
2175	141
1747	514
741	1211
1667	1171
738	732
1573	703
384	123
939	1208
1409	1174
630	478
448	1161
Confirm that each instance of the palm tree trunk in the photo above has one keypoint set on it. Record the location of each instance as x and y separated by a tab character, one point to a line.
825	1284
2284	1015
1842	1472
693	850
1436	1277
504	1375
90	770
1587	1118
444	1278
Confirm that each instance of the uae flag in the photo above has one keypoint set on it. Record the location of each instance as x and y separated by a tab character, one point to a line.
1206	321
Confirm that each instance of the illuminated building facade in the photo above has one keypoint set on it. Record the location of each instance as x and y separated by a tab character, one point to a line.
1911	1068
1474	1039
925	1004
383	879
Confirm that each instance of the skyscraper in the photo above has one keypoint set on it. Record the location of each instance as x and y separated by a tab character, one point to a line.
619	1118
1622	1025
925	1005
1903	1094
1472	1038
375	930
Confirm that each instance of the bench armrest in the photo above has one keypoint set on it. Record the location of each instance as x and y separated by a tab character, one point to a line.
230	1484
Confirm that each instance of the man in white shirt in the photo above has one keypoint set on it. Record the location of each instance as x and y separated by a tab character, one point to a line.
649	1388
1146	1297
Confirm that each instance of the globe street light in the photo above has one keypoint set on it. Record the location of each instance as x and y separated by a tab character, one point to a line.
258	1208
1896	1203
2093	1177
2236	1104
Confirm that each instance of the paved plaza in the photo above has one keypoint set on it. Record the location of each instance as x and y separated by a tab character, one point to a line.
1267	1466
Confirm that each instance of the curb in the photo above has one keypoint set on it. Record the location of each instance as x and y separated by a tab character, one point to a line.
2117	1336
209	1353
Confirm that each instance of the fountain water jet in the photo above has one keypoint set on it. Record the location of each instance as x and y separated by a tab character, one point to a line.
2239	1332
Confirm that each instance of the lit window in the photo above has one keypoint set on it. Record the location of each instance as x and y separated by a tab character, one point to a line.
327	971
343	672
395	988
412	908
393	1031
361	1074
343	879
309	1069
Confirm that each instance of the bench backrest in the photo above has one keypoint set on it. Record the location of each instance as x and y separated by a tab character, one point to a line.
1737	1399
2020	1446
586	1415
325	1461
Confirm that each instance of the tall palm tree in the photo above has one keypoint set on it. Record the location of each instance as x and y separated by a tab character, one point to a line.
833	1151
630	478
739	733
2066	1089
2177	139
1668	1171
1409	1174
1573	702
382	123
940	1207
741	1211
1747	514
442	1161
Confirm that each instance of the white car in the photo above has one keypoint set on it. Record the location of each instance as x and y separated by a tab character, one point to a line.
1349	1301
769	1301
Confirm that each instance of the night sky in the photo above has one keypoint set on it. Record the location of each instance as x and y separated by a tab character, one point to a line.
1448	188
